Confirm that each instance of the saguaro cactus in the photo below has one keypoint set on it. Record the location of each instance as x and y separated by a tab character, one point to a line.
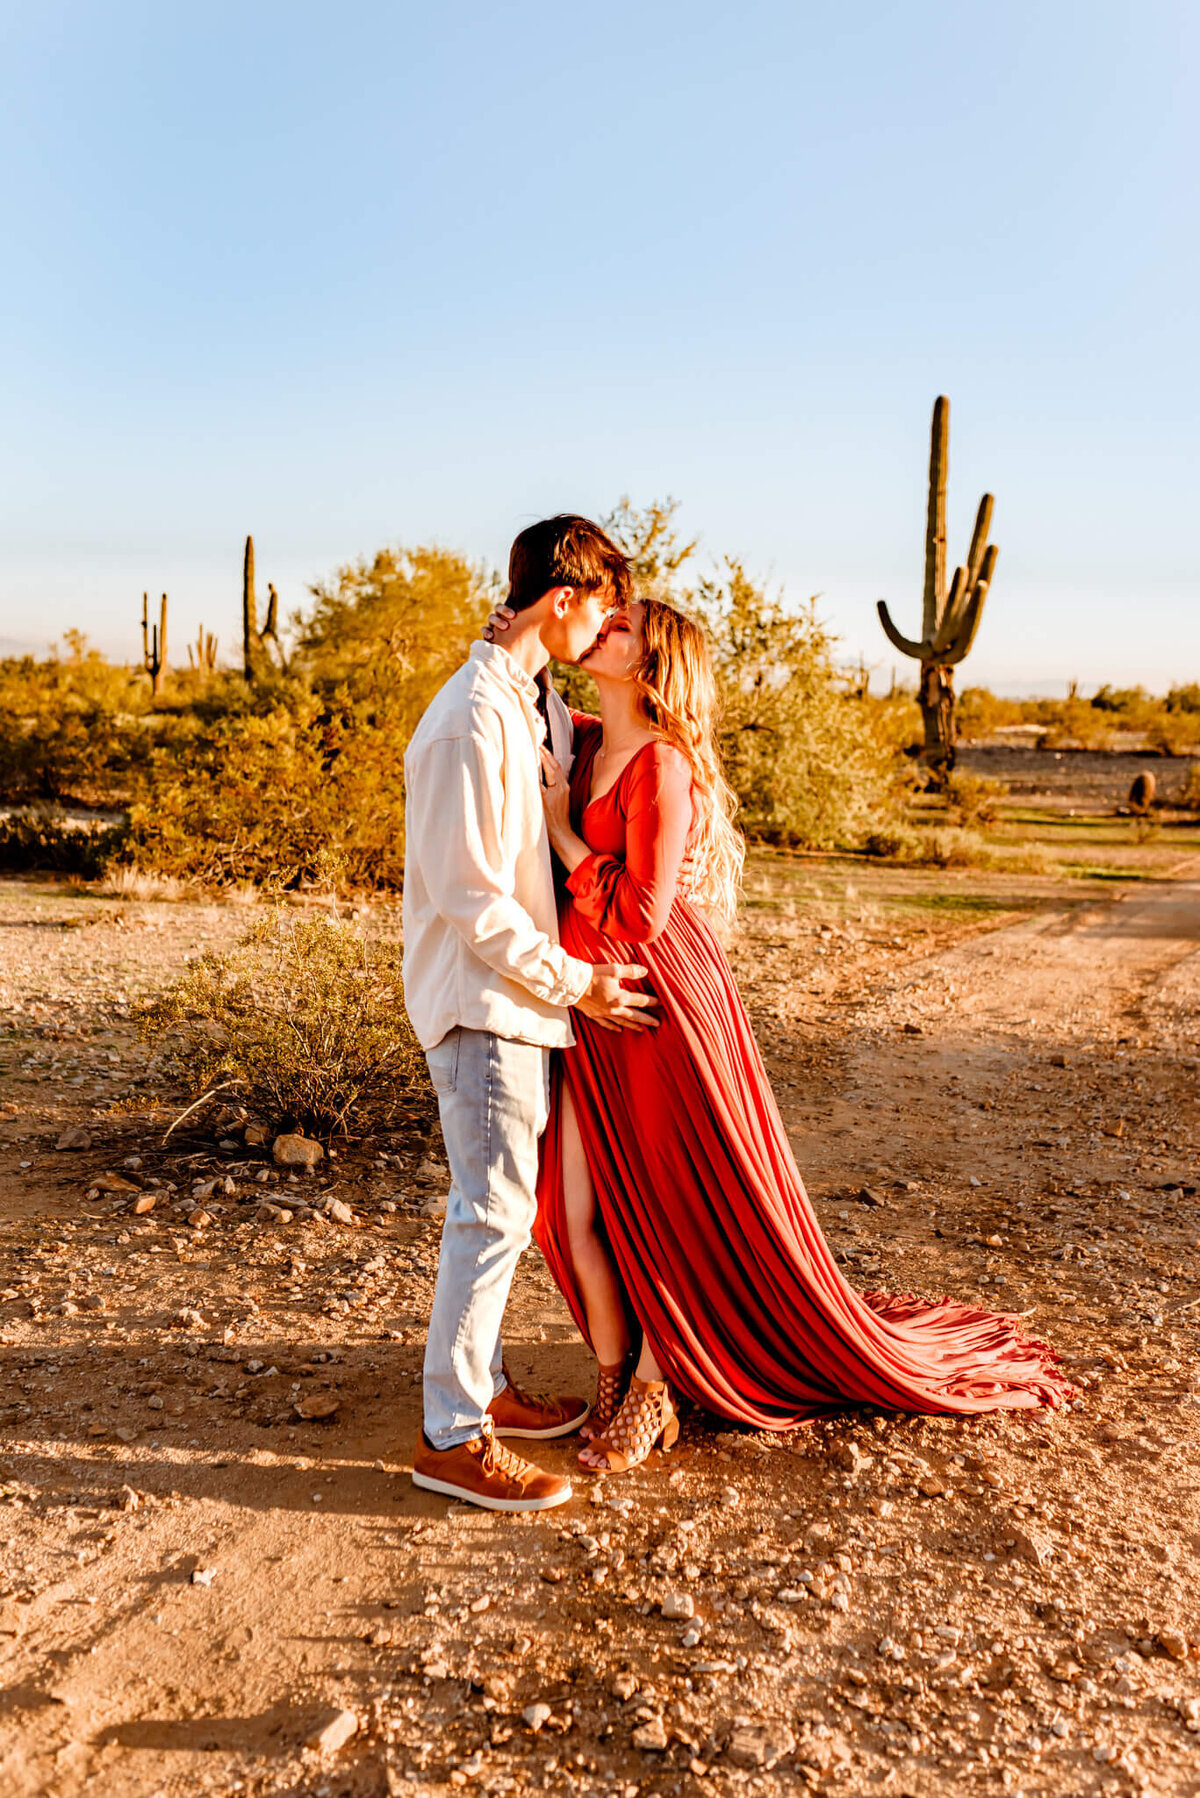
154	644
255	642
203	656
950	619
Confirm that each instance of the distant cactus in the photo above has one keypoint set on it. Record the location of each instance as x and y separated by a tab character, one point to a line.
259	647
203	657
950	618
154	644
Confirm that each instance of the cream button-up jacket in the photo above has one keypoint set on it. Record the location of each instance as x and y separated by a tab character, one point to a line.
481	944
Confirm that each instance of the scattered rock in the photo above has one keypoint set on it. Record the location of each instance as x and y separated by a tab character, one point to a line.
434	1208
759	1744
203	1576
332	1730
651	1738
273	1214
112	1183
1174	1644
678	1605
145	1204
536	1716
256	1135
431	1170
74	1138
128	1499
853	1458
870	1195
625	1686
339	1211
298	1151
1033	1546
189	1319
320	1405
200	1219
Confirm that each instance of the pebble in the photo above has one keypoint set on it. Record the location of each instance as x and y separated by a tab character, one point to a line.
759	1744
433	1208
1172	1643
332	1731
144	1204
651	1738
297	1151
339	1211
267	1213
536	1716
678	1605
74	1138
203	1576
624	1686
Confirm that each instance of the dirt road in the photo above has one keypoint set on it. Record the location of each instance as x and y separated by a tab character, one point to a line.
878	1605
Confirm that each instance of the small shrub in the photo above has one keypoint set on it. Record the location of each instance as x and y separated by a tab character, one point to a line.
892	845
41	838
305	1017
972	799
1189	793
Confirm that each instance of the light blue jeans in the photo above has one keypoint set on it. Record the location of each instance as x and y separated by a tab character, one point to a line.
494	1100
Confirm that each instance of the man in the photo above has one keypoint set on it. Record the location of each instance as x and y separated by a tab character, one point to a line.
488	988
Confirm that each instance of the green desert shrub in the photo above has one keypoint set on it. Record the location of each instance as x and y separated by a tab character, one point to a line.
804	756
269	796
304	1020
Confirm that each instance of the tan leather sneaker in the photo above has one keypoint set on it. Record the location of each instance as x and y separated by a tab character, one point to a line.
484	1472
535	1415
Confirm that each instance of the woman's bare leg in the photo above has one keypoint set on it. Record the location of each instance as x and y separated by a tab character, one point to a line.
594	1270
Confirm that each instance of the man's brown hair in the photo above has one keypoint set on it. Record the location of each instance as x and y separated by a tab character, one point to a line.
566	551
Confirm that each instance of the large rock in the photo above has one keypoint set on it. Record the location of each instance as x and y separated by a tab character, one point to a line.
297	1151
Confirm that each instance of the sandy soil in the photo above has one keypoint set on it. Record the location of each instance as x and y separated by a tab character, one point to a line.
194	1580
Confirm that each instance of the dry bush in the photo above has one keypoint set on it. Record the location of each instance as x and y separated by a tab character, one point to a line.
950	846
42	837
972	800
1189	793
305	1019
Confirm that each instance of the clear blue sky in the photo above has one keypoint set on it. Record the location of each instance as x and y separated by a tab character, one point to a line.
380	272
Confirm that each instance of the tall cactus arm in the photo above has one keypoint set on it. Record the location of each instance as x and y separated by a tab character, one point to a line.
905	645
961	647
935	522
956	601
979	537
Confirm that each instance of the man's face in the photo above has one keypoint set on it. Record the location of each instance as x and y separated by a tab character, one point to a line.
574	631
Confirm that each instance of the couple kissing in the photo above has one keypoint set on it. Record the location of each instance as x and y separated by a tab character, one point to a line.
597	1076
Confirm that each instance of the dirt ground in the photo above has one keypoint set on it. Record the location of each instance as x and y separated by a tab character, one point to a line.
195	1580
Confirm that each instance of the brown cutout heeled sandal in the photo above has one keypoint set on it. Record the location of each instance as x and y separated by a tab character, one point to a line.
612	1383
646	1419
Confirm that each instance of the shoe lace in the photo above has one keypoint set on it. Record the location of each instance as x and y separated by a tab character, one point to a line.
498	1458
523	1396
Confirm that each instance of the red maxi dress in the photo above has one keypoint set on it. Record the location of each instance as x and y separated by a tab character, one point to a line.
719	1251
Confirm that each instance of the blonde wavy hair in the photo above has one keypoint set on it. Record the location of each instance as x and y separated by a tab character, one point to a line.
679	696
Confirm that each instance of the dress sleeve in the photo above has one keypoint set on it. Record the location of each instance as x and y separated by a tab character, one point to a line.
630	898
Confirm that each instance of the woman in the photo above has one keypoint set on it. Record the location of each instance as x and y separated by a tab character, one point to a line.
670	1205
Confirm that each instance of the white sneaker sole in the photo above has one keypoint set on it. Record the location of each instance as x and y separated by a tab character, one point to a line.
558	1429
428	1484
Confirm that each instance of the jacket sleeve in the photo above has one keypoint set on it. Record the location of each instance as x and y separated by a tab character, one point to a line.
630	898
454	804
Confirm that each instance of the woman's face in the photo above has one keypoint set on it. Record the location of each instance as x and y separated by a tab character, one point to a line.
617	652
